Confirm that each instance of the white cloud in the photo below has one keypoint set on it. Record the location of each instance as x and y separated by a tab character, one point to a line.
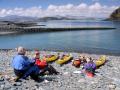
95	6
82	6
94	10
95	0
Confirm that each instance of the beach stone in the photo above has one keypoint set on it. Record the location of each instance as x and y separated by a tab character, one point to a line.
17	84
2	87
40	88
14	88
2	83
117	88
1	79
93	86
81	80
109	65
65	73
46	81
7	87
111	86
26	88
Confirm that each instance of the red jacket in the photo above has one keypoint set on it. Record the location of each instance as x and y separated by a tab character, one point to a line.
41	64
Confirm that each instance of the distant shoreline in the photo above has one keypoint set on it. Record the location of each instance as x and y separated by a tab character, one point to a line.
33	30
7	33
65	51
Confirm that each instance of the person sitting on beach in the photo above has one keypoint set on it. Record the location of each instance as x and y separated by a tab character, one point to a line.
42	64
61	56
83	60
23	66
90	66
77	62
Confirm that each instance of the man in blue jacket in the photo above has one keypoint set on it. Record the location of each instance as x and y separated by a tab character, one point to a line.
23	66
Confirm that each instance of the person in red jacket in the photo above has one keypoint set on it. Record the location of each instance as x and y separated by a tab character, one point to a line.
40	63
43	65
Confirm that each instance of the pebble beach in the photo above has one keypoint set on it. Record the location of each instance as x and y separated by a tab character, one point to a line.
70	78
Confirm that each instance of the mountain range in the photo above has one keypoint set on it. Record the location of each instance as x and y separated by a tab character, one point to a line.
15	18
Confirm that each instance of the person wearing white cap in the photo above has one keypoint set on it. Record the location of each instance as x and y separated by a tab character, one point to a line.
23	66
21	50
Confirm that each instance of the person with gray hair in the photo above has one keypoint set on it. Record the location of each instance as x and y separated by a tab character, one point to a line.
23	66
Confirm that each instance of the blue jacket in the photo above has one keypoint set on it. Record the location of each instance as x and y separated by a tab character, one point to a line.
91	65
21	62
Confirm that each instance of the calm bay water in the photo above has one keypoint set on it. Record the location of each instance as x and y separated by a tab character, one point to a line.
92	41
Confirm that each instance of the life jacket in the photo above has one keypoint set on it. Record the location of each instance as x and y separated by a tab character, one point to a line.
41	64
76	63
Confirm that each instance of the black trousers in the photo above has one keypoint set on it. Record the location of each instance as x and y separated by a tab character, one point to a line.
20	74
50	69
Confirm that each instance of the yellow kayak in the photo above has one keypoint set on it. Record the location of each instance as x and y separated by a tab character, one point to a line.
51	58
64	59
100	61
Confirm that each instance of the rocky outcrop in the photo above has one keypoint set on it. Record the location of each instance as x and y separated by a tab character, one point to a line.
115	15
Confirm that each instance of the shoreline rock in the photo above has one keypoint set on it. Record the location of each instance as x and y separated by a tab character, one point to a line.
25	30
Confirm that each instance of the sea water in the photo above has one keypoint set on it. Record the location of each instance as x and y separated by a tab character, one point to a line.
88	41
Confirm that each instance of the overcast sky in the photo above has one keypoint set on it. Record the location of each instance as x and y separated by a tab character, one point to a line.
40	8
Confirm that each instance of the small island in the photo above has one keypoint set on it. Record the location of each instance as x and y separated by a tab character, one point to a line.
115	15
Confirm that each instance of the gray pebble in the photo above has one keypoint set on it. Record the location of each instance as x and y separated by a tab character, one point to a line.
17	84
103	80
112	86
2	86
1	79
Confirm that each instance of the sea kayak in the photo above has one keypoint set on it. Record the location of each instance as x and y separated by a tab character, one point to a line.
51	58
64	59
100	61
